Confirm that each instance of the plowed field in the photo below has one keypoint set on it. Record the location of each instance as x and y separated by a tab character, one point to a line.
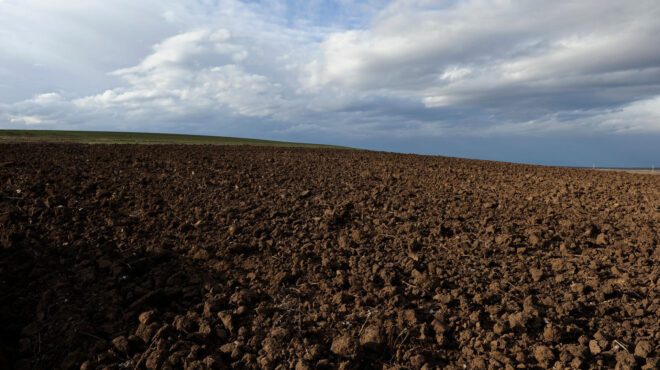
252	257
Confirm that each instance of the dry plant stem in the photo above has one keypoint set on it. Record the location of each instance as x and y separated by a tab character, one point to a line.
91	335
365	323
621	345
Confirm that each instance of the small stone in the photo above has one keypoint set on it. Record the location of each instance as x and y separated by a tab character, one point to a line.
601	239
643	349
594	347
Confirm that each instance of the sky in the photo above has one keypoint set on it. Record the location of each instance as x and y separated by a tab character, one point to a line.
548	82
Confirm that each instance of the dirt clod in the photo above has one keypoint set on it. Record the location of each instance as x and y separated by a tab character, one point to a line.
543	354
372	338
147	317
517	320
643	349
536	274
551	334
343	345
121	344
227	319
625	360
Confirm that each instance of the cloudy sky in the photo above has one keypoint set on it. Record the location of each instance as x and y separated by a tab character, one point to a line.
550	82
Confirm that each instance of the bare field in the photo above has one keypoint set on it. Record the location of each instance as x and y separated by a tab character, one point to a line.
215	257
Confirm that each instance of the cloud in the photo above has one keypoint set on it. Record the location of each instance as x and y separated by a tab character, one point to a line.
488	53
192	71
27	120
339	70
61	45
638	117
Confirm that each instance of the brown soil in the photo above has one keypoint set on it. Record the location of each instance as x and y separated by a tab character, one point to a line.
245	257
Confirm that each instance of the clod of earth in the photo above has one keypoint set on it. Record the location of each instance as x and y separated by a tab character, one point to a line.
344	345
372	338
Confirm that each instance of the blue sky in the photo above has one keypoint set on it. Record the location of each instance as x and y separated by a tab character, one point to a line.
566	83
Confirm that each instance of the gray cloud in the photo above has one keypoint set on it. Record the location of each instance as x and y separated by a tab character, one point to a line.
365	69
490	54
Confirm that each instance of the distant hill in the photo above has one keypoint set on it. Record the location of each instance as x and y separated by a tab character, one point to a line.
106	137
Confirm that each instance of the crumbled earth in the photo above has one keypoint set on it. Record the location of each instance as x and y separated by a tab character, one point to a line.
242	257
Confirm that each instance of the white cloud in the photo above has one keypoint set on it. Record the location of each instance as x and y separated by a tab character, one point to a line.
46	99
27	120
448	53
414	68
192	71
639	116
